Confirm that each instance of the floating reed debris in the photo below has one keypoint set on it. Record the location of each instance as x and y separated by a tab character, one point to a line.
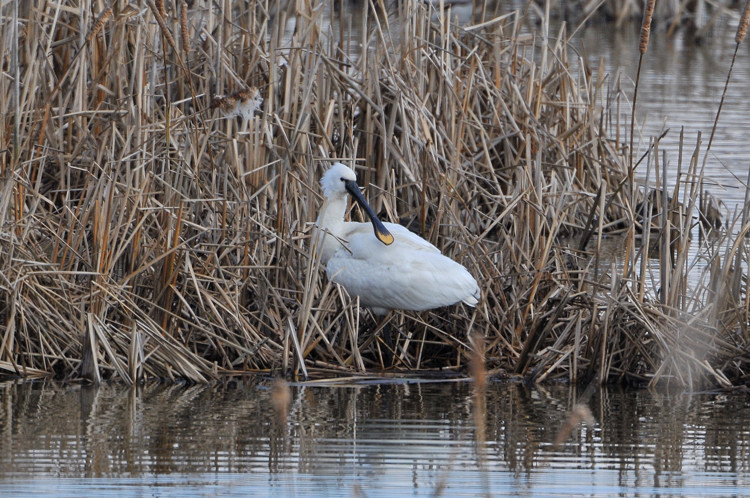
144	238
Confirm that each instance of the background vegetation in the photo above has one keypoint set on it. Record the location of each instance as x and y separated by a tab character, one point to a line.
153	226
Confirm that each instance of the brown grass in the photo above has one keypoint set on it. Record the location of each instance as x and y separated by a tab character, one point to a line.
148	234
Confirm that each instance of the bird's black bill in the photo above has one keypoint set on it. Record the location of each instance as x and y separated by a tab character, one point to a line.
381	232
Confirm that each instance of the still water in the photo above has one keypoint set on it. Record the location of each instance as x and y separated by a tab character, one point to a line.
680	88
367	439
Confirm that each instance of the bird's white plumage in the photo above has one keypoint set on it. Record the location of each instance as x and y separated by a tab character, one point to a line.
409	274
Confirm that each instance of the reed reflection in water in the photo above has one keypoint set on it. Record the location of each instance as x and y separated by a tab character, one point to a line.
371	438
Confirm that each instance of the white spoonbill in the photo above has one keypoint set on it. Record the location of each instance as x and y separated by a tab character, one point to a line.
386	265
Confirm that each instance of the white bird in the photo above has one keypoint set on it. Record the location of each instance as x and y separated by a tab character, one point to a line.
387	266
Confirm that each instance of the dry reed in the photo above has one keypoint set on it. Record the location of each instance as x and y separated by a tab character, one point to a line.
144	234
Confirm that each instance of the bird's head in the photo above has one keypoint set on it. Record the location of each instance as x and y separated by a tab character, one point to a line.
335	180
340	180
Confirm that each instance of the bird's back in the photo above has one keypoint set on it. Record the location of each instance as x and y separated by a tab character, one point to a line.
410	274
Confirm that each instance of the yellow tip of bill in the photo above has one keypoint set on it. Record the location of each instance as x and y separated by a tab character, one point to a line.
385	237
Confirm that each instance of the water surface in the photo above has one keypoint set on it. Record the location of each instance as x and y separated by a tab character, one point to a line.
408	438
680	88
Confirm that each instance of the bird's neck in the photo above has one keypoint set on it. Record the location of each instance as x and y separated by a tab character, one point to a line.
330	227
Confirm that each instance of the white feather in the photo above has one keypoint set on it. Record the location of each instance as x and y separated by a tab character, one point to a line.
409	274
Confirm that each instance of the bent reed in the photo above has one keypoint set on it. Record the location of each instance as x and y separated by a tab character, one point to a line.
151	231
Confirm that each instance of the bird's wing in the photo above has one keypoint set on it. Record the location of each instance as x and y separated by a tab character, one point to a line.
361	234
400	276
403	234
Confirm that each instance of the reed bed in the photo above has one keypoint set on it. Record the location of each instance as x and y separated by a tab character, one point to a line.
159	184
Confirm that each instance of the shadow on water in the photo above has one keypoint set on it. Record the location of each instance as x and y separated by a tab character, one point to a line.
415	437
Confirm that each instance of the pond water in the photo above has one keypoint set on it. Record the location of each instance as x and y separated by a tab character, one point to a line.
680	87
367	439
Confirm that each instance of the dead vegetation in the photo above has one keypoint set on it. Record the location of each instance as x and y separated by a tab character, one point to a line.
147	232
